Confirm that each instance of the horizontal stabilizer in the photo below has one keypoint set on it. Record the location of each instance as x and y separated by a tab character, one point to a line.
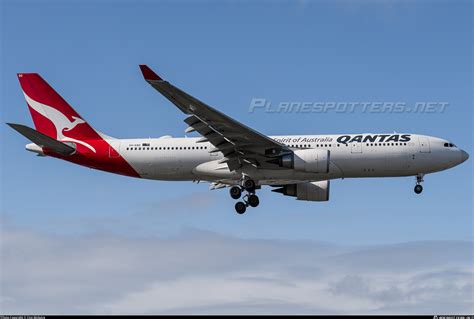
42	140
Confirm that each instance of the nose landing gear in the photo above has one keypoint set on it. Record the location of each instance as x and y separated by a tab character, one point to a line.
418	188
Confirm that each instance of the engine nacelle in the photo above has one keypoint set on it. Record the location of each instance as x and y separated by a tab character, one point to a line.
309	160
310	191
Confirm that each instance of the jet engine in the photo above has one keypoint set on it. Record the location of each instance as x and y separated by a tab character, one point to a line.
310	191
309	160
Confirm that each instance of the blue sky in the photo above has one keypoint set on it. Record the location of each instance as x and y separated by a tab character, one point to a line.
226	53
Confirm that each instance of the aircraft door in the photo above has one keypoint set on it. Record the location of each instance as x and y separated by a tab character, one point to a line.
424	145
356	147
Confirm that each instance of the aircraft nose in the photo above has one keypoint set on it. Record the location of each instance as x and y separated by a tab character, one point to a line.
464	156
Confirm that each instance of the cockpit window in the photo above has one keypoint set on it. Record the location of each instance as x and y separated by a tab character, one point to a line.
449	145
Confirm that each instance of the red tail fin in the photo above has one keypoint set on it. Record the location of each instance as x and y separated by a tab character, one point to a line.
52	115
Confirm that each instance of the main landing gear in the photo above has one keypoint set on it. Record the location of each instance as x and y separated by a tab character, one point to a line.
250	199
418	188
235	192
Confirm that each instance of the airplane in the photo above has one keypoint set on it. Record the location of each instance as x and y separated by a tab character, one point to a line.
228	153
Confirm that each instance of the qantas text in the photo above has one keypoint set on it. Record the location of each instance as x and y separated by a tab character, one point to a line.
378	138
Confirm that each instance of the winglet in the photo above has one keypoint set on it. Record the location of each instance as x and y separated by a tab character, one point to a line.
149	74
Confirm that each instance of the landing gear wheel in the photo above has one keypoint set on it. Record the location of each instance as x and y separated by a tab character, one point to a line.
249	185
418	189
253	200
240	207
235	192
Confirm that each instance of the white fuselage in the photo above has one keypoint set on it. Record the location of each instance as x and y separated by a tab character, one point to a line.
351	155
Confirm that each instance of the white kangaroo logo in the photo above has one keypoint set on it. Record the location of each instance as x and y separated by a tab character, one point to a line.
60	121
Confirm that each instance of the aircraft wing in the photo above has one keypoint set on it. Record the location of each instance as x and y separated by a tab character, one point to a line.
239	143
